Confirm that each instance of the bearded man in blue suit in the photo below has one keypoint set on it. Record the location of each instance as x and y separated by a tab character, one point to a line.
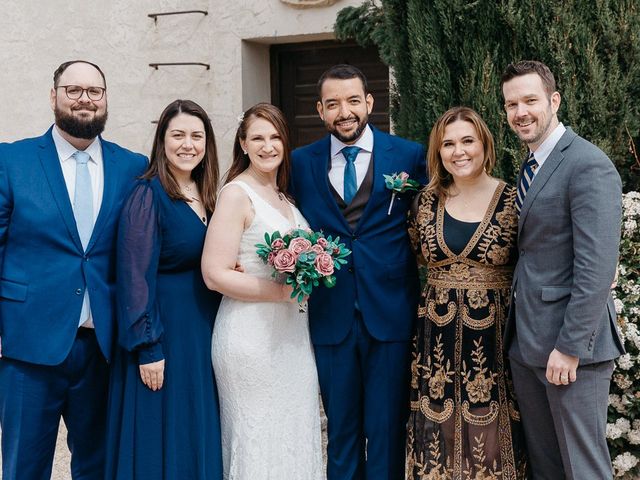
361	329
60	198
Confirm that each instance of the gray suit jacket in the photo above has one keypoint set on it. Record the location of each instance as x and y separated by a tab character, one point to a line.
568	237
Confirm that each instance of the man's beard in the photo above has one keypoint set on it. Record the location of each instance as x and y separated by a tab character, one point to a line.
362	124
86	129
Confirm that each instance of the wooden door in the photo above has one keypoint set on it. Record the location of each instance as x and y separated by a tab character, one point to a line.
295	70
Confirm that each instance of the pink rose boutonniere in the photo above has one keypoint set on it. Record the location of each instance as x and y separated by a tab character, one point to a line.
399	183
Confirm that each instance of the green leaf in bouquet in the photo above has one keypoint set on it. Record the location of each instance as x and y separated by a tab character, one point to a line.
296	292
306	288
329	281
307	257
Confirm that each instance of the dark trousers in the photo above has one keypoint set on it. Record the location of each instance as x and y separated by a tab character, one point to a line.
364	384
34	397
565	425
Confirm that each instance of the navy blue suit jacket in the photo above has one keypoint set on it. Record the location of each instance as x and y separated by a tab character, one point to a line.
381	273
44	270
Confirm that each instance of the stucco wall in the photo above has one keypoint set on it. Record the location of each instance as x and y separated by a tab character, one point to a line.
37	35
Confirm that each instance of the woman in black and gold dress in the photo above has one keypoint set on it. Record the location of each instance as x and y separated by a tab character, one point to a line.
464	421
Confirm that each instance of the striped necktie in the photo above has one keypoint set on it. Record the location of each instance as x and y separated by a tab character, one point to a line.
525	180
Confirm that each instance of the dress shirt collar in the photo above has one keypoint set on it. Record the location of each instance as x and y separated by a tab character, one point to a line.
365	142
66	150
546	147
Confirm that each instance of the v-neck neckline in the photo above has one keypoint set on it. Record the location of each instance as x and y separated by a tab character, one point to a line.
292	222
198	217
482	225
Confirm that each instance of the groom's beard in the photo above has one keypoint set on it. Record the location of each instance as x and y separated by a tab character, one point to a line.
348	138
86	129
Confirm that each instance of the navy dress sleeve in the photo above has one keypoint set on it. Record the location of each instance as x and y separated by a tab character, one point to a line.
138	253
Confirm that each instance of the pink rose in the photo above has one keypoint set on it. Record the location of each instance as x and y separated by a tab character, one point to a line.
404	176
317	248
277	244
323	242
270	258
285	261
299	245
324	264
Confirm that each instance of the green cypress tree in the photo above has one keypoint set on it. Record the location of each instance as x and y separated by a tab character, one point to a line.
452	52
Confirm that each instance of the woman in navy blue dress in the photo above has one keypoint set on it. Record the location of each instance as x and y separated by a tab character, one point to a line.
163	407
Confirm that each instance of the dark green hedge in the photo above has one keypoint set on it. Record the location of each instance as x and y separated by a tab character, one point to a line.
452	52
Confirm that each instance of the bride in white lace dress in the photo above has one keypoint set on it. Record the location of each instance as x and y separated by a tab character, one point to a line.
261	350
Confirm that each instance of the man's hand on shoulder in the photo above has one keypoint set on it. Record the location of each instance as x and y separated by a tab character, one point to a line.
561	368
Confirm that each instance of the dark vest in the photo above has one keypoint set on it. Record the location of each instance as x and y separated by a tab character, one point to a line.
353	211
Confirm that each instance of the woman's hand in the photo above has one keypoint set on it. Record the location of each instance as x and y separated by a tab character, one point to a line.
152	375
286	295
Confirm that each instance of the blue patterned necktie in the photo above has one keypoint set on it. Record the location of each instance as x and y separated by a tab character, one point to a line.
83	198
350	181
525	180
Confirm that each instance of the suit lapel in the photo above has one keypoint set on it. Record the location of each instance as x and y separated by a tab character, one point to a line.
53	171
546	171
110	186
320	167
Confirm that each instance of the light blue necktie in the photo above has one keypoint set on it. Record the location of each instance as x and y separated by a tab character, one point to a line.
525	181
83	211
83	198
350	181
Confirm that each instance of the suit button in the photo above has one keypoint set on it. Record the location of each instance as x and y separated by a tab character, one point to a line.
522	253
78	291
350	270
354	238
86	259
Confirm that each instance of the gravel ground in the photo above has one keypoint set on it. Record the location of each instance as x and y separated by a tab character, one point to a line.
61	460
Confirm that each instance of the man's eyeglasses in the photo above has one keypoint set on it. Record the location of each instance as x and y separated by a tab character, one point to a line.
74	92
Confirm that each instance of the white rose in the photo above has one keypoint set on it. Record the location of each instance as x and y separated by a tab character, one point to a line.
619	306
634	437
625	362
613	431
623	463
624	425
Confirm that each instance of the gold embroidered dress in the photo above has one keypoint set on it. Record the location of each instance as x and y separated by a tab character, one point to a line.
464	422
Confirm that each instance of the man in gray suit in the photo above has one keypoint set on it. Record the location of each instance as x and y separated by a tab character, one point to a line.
561	334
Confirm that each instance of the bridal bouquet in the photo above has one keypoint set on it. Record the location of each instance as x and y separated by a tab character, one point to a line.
306	258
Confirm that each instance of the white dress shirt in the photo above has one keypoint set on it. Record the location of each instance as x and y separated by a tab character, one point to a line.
338	162
96	170
544	150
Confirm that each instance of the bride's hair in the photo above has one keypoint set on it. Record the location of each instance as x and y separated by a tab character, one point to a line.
241	161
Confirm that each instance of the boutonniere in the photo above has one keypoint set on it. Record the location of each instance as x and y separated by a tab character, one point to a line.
399	183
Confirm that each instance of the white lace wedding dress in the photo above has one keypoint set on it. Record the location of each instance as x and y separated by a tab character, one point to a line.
266	373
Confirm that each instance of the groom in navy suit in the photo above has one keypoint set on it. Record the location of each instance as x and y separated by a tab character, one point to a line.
361	328
60	198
